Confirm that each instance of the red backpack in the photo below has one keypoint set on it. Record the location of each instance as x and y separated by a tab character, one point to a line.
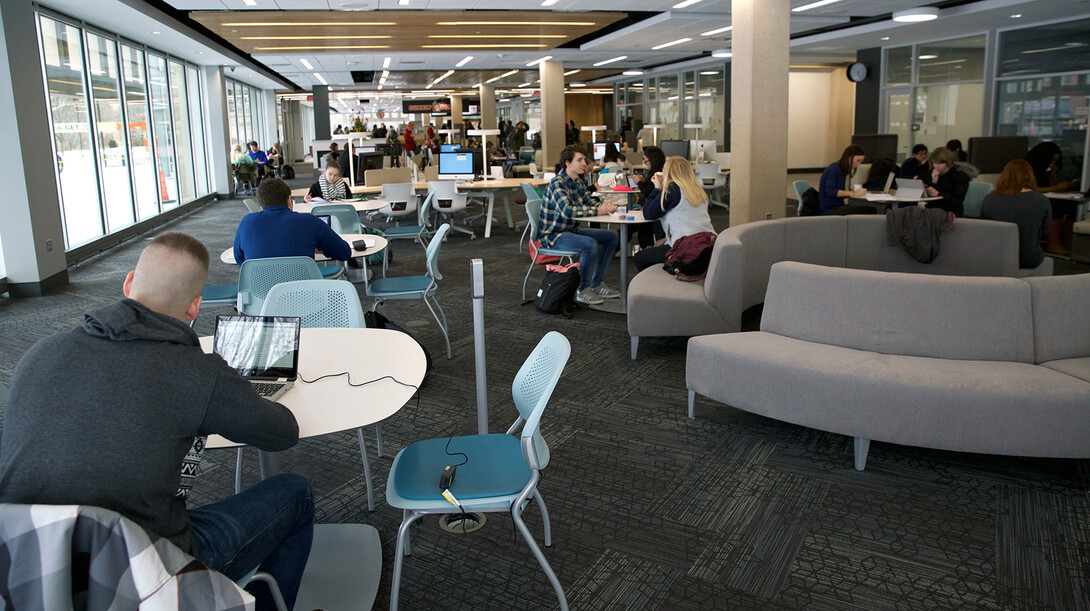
690	255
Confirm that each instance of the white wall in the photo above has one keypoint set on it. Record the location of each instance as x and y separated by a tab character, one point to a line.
819	117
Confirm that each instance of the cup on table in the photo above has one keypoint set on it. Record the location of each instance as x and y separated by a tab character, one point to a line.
622	210
856	186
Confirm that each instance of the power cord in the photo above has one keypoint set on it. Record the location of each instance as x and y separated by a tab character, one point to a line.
379	379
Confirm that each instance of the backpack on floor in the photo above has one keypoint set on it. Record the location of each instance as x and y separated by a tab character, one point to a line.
556	295
374	320
811	203
289	172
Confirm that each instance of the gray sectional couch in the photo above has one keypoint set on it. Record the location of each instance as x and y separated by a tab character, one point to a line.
989	365
659	305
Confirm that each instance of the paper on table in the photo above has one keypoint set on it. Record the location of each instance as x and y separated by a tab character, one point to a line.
879	197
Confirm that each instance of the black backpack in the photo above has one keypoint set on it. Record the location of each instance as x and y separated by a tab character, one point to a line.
556	295
374	320
811	205
288	172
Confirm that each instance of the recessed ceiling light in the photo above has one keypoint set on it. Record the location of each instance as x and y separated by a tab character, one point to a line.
885	38
610	61
571	72
1016	16
531	23
403	2
928	56
719	31
156	32
538	61
527	84
721	53
916	15
464	61
578	84
269	24
474	46
306	64
353	6
685	3
250	2
807	7
549	2
709	72
320	79
386	62
670	44
632	72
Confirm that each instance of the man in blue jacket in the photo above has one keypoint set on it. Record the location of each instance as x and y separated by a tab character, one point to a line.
277	231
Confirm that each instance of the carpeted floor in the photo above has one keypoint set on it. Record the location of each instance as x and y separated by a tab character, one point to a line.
652	510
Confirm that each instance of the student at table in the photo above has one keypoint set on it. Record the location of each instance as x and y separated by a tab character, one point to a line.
916	165
329	186
680	203
1015	200
566	199
104	415
649	234
260	160
948	181
277	231
240	157
1047	161
833	188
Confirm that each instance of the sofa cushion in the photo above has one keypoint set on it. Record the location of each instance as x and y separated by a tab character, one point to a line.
661	305
977	406
894	313
762	244
1079	368
961	249
820	240
1061	328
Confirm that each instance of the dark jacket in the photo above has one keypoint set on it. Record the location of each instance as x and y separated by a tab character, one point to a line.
918	230
104	414
952	186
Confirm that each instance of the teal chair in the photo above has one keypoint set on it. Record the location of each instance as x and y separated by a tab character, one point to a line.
974	198
219	294
257	276
533	213
419	232
531	193
324	304
417	287
498	472
343	217
801	186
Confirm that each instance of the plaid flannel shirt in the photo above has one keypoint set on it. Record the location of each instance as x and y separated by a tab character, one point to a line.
565	199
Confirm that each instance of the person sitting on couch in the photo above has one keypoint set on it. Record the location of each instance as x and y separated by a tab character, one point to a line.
680	203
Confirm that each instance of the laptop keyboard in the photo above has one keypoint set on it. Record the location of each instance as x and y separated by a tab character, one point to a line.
266	389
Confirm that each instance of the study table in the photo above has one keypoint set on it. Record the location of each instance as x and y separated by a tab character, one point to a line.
632	217
331	405
361	205
228	256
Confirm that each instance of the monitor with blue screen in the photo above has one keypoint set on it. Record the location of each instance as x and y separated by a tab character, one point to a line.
449	148
456	165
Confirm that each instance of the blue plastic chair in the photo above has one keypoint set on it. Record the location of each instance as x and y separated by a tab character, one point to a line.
533	213
219	294
343	217
500	472
974	198
324	304
530	192
419	232
417	287
257	276
801	186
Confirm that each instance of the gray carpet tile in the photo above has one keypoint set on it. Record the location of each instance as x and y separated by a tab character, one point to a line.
650	510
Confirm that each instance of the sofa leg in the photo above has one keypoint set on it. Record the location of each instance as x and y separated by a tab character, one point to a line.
635	345
692	400
862	446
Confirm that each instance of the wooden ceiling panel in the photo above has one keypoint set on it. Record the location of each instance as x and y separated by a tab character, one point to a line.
393	31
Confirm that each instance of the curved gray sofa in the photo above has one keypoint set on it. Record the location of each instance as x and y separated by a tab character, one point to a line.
988	365
659	305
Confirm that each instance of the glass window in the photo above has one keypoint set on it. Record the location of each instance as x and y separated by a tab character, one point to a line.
667	112
898	66
945	112
140	142
182	135
70	120
232	122
161	128
899	120
247	123
1051	108
711	104
961	59
113	156
200	165
1057	47
634	93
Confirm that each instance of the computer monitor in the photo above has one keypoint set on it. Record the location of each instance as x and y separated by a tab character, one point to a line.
702	150
599	150
675	148
365	149
456	165
449	148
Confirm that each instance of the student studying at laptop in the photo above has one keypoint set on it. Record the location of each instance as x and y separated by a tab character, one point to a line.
105	413
277	231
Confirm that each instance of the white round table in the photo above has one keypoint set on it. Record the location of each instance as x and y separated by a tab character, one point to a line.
228	256
363	205
632	217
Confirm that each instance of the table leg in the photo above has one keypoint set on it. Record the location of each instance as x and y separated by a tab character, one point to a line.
270	463
488	214
624	266
507	207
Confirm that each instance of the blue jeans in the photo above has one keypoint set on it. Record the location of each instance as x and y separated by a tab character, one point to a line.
598	245
269	526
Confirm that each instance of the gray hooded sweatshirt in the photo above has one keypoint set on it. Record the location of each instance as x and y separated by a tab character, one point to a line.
104	414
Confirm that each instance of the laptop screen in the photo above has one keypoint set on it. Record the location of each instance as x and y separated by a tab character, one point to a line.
325	218
259	346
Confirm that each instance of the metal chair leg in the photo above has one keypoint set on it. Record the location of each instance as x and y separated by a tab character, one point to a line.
366	471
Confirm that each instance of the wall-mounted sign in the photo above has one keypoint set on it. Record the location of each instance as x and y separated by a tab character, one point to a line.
425	106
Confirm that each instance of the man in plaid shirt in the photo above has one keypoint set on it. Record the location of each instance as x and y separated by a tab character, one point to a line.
566	198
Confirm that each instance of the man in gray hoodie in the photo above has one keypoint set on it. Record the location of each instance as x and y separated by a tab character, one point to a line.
105	413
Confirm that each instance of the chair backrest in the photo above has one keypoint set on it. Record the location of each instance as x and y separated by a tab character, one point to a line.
344	217
526	154
251	205
801	186
319	303
533	214
447	198
708	173
257	276
401	197
531	390
539	158
974	197
424	214
530	192
431	255
431	173
532	169
244	171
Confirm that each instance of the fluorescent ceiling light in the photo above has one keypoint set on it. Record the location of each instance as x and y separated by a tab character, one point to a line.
498	36
685	3
1066	46
464	61
271	24
928	57
669	44
549	2
1016	16
632	72
483	46
807	7
615	59
559	23
527	84
309	37
250	2
429	85
578	84
403	2
386	62
719	31
916	15
721	53
571	72
306	64
538	61
320	79
709	72
321	48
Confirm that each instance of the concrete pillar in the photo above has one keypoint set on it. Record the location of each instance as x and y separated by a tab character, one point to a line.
321	112
552	112
456	116
268	98
32	235
216	129
758	85
488	111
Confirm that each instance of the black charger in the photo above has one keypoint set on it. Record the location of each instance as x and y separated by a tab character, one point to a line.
446	480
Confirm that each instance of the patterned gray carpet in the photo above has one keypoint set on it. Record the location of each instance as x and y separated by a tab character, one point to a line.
652	510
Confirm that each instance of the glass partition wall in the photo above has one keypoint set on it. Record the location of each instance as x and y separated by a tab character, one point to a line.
125	123
692	97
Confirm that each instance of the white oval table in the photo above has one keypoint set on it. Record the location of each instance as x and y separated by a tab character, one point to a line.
363	205
228	256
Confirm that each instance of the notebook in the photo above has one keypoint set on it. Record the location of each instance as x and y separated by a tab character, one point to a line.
910	188
262	349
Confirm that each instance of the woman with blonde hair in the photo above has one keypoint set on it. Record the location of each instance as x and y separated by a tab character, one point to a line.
679	203
1016	200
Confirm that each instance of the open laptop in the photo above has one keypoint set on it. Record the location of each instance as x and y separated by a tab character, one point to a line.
909	188
262	349
325	218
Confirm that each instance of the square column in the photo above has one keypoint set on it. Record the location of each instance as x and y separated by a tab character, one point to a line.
552	112
488	111
216	130
758	85
320	94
